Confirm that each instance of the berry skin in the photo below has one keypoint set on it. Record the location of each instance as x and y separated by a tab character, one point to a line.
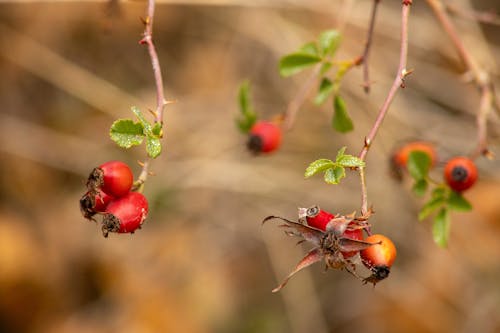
379	257
94	202
114	178
401	156
356	234
460	173
125	214
265	137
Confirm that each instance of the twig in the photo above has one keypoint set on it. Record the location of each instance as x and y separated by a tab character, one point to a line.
481	78
299	98
479	16
366	52
147	39
399	82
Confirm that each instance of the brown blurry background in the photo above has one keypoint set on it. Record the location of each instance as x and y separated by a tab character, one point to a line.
202	262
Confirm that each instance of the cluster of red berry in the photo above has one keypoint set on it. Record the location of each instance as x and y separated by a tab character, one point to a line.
109	195
460	173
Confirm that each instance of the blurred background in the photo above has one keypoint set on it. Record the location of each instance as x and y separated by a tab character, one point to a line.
202	262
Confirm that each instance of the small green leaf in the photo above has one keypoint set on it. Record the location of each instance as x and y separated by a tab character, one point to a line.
126	133
457	202
430	206
148	128
249	117
153	147
328	41
350	161
441	228
310	48
325	90
295	62
318	166
157	130
418	164
325	67
439	192
334	175
420	187
341	120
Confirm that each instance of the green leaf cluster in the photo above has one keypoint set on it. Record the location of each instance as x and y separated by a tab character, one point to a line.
127	133
334	171
248	116
442	199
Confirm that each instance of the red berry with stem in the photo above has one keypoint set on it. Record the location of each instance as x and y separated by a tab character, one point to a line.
125	214
265	137
94	202
114	178
379	257
400	157
460	173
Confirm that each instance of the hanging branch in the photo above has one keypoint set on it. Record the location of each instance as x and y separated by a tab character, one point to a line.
366	52
399	82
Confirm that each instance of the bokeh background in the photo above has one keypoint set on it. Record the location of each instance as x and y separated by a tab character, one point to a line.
203	262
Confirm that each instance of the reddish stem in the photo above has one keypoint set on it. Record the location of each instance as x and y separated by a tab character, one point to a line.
366	52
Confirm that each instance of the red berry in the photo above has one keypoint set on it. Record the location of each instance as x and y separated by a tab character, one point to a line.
265	137
318	218
379	257
356	234
460	173
125	214
114	178
400	157
94	202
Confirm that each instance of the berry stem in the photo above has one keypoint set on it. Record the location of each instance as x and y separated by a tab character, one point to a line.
399	82
488	100
366	53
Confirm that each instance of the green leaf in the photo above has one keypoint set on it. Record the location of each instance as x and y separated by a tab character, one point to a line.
418	164
295	62
457	202
249	117
325	67
329	41
420	187
310	48
126	133
439	192
318	166
341	120
153	147
431	206
148	128
350	161
325	90
441	228
334	175
157	130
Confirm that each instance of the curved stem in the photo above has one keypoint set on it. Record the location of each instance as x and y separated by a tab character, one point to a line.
366	52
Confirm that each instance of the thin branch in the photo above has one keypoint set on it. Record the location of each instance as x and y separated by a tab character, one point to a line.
482	79
478	16
399	82
366	52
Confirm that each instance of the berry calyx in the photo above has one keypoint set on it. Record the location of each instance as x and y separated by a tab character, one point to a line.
265	137
460	173
114	178
94	202
379	257
401	155
125	214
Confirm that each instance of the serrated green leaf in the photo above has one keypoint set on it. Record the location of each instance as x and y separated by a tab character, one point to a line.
310	48
334	175
318	166
325	90
126	133
296	62
341	120
157	130
328	42
431	206
249	117
418	164
148	128
420	187
340	153
441	228
458	203
153	147
350	161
